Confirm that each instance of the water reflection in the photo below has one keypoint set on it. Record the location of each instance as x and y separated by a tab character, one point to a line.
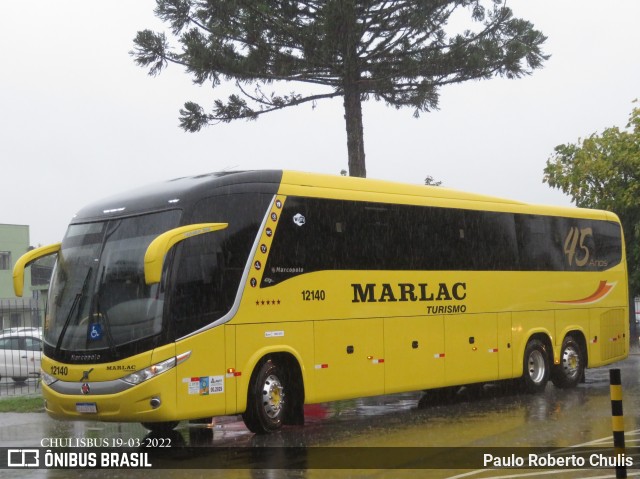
486	415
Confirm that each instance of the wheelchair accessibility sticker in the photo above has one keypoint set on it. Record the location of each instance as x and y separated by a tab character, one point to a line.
95	332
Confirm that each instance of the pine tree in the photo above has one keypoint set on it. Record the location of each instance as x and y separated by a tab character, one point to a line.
399	52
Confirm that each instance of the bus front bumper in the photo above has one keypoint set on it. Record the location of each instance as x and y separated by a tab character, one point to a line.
151	401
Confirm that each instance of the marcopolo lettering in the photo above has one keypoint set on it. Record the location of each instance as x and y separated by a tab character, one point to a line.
387	292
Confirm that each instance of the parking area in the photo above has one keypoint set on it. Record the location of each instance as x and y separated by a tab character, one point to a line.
20	357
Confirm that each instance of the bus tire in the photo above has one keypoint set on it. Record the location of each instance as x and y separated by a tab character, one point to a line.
160	427
536	369
266	405
570	371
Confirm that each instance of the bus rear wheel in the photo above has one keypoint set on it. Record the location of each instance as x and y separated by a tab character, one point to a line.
569	372
536	370
266	404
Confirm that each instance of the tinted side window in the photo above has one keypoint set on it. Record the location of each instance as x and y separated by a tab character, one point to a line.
368	230
588	245
490	242
348	235
319	234
608	244
208	268
425	239
539	244
311	236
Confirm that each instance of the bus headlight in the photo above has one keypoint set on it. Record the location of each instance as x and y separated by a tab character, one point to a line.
47	379
150	372
158	368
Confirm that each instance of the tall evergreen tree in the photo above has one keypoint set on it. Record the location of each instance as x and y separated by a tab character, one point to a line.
399	52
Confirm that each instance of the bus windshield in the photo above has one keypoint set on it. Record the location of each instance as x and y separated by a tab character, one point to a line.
98	298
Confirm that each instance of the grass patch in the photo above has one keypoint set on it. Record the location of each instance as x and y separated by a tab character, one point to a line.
22	404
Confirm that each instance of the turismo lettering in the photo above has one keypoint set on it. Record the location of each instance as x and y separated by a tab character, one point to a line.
387	292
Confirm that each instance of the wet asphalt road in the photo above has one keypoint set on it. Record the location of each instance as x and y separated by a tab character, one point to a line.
482	418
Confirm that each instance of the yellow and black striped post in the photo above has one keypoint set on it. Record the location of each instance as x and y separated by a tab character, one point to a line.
617	418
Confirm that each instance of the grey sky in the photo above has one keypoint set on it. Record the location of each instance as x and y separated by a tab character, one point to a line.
79	121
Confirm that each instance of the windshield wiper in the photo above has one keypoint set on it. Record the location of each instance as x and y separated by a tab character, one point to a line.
74	305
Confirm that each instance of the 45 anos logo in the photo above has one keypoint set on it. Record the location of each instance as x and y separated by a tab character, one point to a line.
576	246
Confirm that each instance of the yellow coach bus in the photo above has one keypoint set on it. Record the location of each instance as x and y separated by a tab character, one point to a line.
259	292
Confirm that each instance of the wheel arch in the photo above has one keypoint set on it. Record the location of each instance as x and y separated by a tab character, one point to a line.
288	357
542	335
578	335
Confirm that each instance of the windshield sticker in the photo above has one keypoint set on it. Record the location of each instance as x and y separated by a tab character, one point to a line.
205	385
299	219
95	332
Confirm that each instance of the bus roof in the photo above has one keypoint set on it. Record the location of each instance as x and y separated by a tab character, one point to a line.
361	189
348	184
177	193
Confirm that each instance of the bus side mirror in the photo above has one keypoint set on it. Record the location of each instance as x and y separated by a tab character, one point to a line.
160	246
25	260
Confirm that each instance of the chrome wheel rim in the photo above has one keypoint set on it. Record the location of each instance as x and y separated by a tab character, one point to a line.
570	362
536	366
272	396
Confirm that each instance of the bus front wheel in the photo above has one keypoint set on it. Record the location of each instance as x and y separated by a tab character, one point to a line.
266	404
569	372
536	370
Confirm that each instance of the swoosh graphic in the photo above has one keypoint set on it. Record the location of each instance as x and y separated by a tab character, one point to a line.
604	288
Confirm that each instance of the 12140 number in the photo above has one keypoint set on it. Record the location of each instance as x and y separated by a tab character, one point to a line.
313	295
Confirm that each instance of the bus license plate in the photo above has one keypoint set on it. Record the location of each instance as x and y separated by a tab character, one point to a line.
86	407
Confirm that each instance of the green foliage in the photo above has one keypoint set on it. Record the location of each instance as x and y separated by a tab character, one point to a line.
22	404
399	52
603	171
